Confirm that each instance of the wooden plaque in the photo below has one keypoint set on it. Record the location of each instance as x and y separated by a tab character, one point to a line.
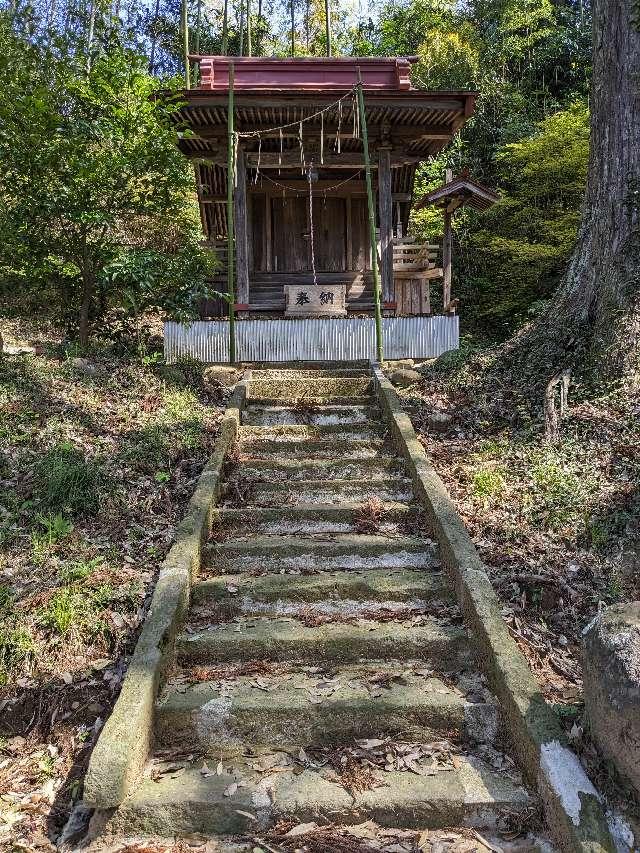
315	300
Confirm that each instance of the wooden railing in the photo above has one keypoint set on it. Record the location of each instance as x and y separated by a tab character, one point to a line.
414	264
414	259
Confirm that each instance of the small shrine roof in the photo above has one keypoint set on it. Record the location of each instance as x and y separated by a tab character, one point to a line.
463	190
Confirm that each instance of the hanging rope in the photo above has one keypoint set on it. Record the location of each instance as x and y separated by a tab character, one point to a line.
336	104
313	254
297	191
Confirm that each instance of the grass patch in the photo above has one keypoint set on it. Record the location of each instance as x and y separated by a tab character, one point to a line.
66	482
487	484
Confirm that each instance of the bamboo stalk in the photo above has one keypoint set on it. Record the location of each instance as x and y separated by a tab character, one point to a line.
249	45
372	221
225	28
185	41
230	181
327	23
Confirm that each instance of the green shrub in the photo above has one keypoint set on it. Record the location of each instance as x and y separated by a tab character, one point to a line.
66	482
487	483
66	609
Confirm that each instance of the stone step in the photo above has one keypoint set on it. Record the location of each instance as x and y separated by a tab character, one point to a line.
396	518
310	553
336	449
317	387
304	432
266	638
295	709
241	799
397	489
273	373
274	470
372	584
326	415
366	400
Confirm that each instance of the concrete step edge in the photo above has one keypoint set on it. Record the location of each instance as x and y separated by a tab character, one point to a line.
285	640
375	584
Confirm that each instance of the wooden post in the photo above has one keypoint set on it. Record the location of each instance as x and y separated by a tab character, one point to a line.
446	252
242	246
446	262
386	226
372	220
230	181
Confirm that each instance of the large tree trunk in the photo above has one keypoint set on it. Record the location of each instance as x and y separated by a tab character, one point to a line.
593	321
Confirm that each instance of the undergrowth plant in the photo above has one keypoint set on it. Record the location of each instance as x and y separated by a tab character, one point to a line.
65	481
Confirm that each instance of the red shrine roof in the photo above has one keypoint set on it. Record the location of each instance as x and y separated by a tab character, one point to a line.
313	74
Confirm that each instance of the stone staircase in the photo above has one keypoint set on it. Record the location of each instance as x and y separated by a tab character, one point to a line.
324	672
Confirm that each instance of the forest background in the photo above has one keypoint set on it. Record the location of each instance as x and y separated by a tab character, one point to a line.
98	220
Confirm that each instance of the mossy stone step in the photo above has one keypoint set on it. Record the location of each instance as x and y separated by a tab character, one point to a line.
310	373
261	494
302	553
337	448
181	803
312	518
300	469
305	709
297	386
304	432
327	415
372	585
258	638
308	400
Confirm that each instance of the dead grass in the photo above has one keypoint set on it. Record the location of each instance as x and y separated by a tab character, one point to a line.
370	515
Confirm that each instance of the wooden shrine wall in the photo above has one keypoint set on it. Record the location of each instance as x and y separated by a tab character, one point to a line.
280	233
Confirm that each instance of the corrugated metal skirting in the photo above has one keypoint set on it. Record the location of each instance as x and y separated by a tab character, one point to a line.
320	339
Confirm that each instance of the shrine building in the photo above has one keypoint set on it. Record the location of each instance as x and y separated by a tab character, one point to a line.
302	251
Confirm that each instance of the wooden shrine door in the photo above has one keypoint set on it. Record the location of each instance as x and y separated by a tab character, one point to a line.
290	228
329	234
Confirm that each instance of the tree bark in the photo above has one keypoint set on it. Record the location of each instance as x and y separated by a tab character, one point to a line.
88	290
594	319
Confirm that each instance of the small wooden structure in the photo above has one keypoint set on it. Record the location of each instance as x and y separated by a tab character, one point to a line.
454	193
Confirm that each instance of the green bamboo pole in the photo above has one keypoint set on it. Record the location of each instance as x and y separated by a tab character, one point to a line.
185	40
230	259
327	24
249	45
372	221
225	28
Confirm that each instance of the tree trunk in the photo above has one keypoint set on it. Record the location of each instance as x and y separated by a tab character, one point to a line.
154	39
594	319
88	289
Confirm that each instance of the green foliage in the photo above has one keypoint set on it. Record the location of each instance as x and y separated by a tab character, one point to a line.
65	610
96	198
488	483
17	648
66	482
79	570
514	254
558	496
